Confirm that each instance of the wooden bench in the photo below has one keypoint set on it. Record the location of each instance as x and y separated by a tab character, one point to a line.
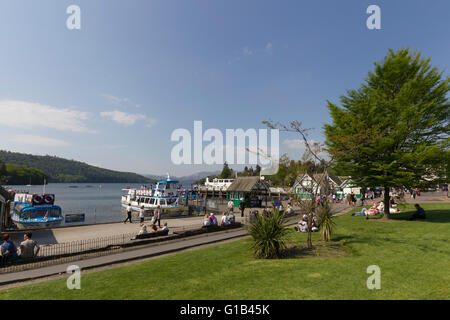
151	235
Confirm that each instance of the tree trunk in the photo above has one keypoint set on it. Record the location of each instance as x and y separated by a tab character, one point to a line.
309	240
387	199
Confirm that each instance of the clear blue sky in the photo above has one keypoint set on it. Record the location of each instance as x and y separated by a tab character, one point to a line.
136	70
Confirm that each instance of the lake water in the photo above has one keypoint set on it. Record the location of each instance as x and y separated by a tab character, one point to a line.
99	202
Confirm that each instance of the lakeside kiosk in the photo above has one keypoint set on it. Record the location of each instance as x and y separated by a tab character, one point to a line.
251	190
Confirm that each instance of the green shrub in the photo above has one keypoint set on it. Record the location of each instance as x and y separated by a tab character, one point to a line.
326	222
268	232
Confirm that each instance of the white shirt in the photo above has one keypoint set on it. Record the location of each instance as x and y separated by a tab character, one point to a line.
303	226
224	220
141	213
128	208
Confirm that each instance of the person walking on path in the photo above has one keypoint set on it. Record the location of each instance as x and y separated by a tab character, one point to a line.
128	214
242	207
157	216
141	214
349	199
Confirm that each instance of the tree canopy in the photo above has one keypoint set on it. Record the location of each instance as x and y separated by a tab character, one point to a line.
227	172
393	131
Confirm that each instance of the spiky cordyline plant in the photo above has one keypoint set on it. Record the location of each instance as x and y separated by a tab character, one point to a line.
268	232
326	222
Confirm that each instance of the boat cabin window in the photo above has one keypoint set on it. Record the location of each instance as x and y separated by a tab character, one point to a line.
56	212
162	202
152	201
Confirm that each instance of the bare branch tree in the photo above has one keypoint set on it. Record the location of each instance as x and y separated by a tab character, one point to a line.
314	150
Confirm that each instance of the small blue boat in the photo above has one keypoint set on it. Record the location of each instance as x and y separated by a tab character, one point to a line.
35	211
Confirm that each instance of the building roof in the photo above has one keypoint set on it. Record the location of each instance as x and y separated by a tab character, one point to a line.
247	184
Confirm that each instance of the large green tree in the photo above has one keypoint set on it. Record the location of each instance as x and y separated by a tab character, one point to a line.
394	130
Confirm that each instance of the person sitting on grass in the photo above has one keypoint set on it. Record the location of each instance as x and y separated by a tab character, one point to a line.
372	211
393	203
302	224
165	227
363	212
381	207
419	214
315	224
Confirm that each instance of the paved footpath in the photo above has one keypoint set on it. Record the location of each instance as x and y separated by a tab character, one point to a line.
76	233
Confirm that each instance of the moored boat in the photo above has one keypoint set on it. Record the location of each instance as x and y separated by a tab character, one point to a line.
165	195
35	211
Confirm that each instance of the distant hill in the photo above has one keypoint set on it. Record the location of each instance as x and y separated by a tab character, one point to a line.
70	171
14	174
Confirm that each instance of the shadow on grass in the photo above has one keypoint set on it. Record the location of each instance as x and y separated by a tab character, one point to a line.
320	249
439	216
339	238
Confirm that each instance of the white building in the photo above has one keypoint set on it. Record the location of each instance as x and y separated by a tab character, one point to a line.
316	183
218	184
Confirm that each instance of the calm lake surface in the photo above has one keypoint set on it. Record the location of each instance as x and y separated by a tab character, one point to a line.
99	202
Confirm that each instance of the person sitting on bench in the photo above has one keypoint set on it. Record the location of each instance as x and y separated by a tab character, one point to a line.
143	229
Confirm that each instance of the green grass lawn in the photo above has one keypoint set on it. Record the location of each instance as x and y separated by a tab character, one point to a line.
414	257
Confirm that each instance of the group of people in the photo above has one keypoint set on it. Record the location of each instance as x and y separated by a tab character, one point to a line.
379	209
141	215
28	248
153	228
211	220
372	211
302	225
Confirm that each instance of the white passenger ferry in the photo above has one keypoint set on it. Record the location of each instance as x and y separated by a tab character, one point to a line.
165	195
